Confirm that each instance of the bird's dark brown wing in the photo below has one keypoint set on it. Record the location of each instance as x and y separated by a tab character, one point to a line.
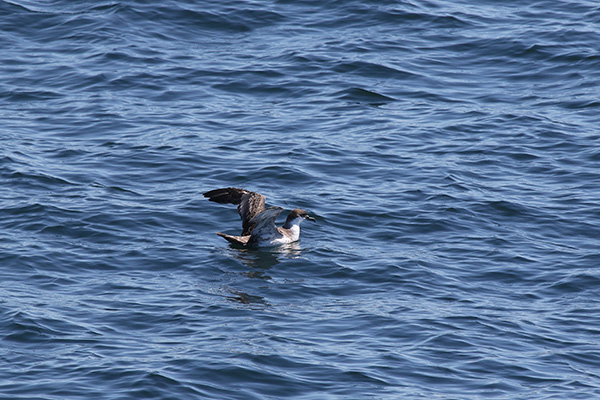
250	204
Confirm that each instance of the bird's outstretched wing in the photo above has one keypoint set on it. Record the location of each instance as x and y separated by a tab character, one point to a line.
264	225
250	204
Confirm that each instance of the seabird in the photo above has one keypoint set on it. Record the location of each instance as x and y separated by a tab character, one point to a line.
258	222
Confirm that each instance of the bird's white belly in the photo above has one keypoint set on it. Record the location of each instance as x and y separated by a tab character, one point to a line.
264	237
280	240
265	241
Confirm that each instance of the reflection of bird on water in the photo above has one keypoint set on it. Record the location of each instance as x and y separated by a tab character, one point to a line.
265	259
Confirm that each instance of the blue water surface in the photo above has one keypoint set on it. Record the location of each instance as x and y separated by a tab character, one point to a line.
449	150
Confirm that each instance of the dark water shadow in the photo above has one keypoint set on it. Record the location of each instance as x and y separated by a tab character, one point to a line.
259	262
263	259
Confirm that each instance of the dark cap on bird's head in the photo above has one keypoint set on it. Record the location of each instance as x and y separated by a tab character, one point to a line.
299	213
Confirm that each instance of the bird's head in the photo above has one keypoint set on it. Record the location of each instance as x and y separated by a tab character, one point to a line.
296	216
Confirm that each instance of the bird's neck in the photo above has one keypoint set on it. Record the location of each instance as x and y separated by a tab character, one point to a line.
293	228
292	223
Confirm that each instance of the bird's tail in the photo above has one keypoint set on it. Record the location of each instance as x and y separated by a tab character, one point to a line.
238	240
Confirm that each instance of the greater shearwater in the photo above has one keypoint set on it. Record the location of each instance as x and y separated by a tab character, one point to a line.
258	222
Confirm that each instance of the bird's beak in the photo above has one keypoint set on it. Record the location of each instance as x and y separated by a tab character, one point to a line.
310	218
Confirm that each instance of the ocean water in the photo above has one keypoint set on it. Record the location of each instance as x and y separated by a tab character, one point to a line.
449	150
